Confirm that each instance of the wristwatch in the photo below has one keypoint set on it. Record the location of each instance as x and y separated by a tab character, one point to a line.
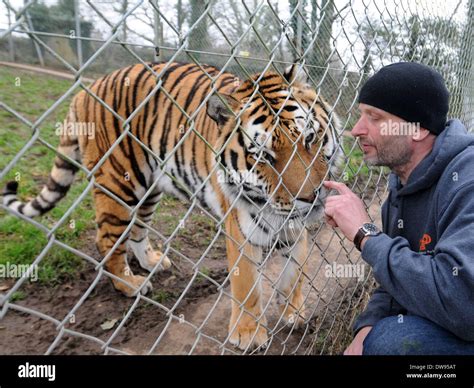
367	229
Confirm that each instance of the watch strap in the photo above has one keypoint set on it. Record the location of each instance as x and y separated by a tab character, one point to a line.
358	238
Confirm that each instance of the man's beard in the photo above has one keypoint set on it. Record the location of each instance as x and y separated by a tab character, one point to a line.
392	154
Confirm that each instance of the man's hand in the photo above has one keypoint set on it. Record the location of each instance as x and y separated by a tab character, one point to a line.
356	346
345	210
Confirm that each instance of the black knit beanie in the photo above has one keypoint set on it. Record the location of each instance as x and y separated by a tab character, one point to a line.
411	91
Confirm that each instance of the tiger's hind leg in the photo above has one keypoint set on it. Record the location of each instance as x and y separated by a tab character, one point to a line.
112	219
139	242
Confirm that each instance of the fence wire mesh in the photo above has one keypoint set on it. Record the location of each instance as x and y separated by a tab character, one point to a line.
64	303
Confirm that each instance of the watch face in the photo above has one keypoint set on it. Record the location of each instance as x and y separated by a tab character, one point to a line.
370	228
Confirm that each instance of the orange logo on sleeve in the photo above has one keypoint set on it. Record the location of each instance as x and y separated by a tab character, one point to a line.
425	240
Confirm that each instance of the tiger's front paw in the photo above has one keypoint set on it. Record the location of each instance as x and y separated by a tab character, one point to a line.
136	281
248	335
148	257
153	258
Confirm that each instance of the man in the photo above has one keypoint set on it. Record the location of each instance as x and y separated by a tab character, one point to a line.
424	258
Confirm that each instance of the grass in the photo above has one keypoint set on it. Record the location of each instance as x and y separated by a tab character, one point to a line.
203	272
161	296
356	167
17	296
21	242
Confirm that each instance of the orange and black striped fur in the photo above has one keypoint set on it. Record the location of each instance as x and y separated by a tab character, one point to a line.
255	154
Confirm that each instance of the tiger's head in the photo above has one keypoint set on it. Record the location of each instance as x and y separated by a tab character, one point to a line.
279	141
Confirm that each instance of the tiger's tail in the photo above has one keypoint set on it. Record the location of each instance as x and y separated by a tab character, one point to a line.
60	178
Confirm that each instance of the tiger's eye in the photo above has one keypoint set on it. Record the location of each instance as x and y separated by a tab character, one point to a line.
309	139
269	158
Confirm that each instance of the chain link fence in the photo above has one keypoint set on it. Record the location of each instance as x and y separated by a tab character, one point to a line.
339	43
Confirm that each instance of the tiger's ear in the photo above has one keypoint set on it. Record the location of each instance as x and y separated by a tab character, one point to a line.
221	107
295	73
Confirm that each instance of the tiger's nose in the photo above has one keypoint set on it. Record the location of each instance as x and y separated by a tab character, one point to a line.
308	199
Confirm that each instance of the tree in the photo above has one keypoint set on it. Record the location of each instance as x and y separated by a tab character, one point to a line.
313	33
432	41
235	19
198	37
461	95
180	16
320	52
59	19
122	10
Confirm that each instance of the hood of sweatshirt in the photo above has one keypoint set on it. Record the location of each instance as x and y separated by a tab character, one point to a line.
447	146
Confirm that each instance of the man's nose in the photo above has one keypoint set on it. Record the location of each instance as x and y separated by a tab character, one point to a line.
359	128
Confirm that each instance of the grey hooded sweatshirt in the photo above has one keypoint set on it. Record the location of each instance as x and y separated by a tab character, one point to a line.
424	259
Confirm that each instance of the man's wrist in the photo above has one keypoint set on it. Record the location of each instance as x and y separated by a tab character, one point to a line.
363	241
366	230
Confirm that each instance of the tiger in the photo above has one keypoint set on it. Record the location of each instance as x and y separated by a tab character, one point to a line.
254	152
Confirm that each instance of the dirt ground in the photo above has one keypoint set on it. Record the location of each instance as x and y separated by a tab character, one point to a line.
201	314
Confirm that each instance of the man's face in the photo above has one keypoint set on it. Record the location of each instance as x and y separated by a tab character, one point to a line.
382	147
